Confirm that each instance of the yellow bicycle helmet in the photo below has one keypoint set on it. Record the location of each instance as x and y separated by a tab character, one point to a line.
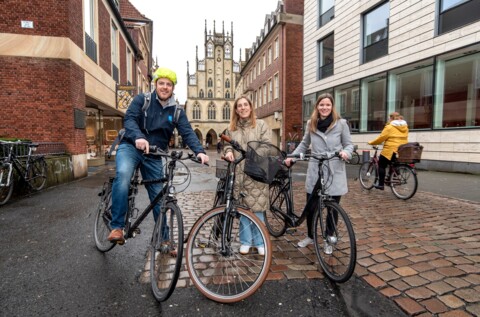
163	72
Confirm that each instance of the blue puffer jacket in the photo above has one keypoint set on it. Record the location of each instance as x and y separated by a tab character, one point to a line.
157	126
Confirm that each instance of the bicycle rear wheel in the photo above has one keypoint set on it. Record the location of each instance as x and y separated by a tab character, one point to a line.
102	219
403	182
368	175
6	184
166	252
229	276
279	202
37	174
334	231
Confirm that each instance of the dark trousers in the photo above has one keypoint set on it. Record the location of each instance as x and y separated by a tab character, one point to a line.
383	162
331	217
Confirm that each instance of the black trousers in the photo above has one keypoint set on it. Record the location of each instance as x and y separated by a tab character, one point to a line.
332	217
383	162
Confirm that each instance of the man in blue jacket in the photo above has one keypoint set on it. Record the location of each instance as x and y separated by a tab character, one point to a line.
153	126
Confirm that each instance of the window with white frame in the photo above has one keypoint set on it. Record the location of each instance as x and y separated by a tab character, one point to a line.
277	48
129	67
114	52
89	27
276	86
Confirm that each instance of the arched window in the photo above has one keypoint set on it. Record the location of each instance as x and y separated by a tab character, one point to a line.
227	94
210	82
227	83
209	50
211	112
210	94
226	112
201	94
196	112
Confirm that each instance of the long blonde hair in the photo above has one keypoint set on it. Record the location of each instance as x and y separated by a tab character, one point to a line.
235	117
315	117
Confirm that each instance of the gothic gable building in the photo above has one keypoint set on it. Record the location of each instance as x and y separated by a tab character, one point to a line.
210	92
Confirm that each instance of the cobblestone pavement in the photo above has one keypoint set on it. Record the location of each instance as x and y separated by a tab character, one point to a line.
423	253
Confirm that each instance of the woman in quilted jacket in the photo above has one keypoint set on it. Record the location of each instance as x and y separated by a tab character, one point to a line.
244	127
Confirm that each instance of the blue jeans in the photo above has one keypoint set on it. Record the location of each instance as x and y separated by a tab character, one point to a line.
127	159
249	234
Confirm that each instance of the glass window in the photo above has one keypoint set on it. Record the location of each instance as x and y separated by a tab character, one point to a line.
327	11
457	102
375	33
373	113
325	57
277	48
457	13
270	90
129	67
411	94
114	51
347	98
226	112
212	112
264	94
209	50
276	84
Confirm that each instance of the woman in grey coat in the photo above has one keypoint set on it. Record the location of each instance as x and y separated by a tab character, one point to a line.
326	133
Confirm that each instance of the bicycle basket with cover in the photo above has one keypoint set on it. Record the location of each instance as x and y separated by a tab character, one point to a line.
263	161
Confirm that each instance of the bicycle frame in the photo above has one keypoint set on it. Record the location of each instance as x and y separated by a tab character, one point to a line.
16	163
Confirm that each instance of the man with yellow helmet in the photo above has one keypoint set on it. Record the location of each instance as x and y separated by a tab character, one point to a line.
145	127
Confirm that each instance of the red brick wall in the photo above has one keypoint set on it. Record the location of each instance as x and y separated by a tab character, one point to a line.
292	80
104	26
293	6
38	105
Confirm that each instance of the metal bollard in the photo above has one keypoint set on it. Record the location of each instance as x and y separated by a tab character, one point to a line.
365	156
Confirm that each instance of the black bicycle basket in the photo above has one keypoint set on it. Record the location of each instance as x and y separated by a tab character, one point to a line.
263	161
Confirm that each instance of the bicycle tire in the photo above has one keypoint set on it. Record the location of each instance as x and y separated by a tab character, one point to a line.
102	219
37	174
340	264
230	276
279	202
5	190
355	159
368	175
403	182
166	252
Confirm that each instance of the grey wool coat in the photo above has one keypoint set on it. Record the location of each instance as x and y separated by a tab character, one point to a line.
257	197
335	139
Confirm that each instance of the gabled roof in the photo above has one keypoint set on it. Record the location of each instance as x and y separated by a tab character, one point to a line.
129	12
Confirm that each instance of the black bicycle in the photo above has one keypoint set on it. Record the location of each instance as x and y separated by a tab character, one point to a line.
166	245
402	177
334	237
230	276
32	169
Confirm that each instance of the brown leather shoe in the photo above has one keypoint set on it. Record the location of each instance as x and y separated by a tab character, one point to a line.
116	235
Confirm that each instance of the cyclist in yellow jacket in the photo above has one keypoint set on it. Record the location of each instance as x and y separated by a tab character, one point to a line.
394	134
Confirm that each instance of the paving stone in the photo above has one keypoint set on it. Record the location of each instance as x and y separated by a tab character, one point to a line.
474	309
410	306
390	292
457	282
452	301
380	267
450	271
419	293
399	284
440	287
374	281
415	280
388	275
434	306
401	262
468	295
432	276
293	275
405	271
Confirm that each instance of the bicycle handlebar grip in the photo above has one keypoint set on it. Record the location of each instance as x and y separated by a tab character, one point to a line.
152	148
226	138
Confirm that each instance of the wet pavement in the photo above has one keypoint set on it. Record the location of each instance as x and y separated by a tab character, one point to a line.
422	254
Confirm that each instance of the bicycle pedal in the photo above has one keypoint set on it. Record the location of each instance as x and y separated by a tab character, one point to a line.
291	230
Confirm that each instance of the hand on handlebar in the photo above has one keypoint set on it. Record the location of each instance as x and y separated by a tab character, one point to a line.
229	156
343	155
142	145
203	158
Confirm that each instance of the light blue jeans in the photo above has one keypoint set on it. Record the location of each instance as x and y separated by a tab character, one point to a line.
127	159
249	234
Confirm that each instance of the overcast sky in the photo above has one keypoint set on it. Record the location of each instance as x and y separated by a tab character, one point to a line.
179	26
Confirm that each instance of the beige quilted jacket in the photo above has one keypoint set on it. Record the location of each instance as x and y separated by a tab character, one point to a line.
256	193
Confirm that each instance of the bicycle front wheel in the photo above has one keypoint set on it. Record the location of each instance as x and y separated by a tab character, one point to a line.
229	276
166	252
102	219
335	243
6	183
368	175
279	202
37	174
404	182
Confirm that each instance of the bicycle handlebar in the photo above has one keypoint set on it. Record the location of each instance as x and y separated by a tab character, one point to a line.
174	155
236	146
320	157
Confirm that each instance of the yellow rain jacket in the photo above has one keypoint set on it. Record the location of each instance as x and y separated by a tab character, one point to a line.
394	134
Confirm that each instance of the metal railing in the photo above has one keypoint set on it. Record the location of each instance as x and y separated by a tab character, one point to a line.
44	148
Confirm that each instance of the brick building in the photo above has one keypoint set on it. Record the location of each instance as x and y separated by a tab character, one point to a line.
271	75
68	70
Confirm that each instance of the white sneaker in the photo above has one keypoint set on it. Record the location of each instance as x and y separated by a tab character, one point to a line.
244	249
305	242
261	250
327	248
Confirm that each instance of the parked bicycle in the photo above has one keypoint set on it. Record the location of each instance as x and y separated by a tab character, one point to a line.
166	245
401	176
334	237
229	275
355	157
32	170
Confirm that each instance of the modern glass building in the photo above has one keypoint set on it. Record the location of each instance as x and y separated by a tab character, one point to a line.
419	58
